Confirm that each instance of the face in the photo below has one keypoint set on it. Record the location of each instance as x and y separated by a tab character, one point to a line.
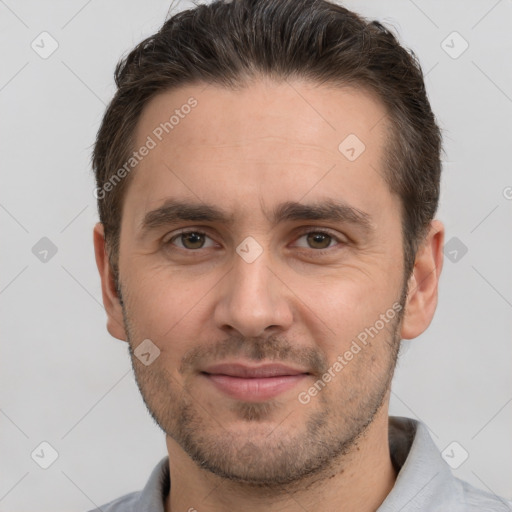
273	291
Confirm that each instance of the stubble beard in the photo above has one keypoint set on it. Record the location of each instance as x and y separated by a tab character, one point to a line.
275	454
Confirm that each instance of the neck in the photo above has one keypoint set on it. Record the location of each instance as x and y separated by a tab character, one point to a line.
360	480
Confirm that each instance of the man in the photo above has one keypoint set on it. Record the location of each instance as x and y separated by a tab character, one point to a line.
267	179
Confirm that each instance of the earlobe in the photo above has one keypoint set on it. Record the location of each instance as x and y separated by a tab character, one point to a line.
111	302
423	284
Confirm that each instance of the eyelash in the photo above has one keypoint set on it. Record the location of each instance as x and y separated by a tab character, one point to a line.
300	235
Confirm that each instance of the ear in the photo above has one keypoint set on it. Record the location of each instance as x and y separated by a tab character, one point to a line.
423	284
115	324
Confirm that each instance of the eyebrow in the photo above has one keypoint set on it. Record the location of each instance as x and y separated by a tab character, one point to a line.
329	210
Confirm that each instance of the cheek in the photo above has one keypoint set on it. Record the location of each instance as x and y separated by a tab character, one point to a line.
338	309
165	308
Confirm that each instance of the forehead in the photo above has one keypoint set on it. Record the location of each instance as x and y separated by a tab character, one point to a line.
259	109
268	139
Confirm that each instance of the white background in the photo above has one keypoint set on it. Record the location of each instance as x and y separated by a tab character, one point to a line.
65	381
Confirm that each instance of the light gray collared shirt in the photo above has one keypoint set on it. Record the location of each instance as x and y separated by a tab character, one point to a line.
424	483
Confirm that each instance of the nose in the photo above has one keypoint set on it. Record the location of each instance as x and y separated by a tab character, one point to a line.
253	299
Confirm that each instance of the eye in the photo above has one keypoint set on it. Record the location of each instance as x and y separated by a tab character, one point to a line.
319	240
190	240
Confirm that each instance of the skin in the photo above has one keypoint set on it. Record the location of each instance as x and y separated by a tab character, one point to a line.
246	152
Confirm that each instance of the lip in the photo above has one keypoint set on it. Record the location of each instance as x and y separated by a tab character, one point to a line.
253	383
253	372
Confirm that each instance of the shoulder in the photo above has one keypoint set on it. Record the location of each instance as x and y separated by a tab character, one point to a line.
126	503
150	499
477	500
425	480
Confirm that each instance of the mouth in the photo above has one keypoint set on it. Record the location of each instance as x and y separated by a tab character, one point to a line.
253	383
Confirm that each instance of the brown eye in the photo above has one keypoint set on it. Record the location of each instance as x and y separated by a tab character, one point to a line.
318	240
192	240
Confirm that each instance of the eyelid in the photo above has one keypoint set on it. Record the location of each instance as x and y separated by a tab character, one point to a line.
299	234
184	231
343	240
173	234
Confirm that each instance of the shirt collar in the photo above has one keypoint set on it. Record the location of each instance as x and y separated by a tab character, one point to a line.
424	479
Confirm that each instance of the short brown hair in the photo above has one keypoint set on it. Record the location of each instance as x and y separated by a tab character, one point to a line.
231	42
